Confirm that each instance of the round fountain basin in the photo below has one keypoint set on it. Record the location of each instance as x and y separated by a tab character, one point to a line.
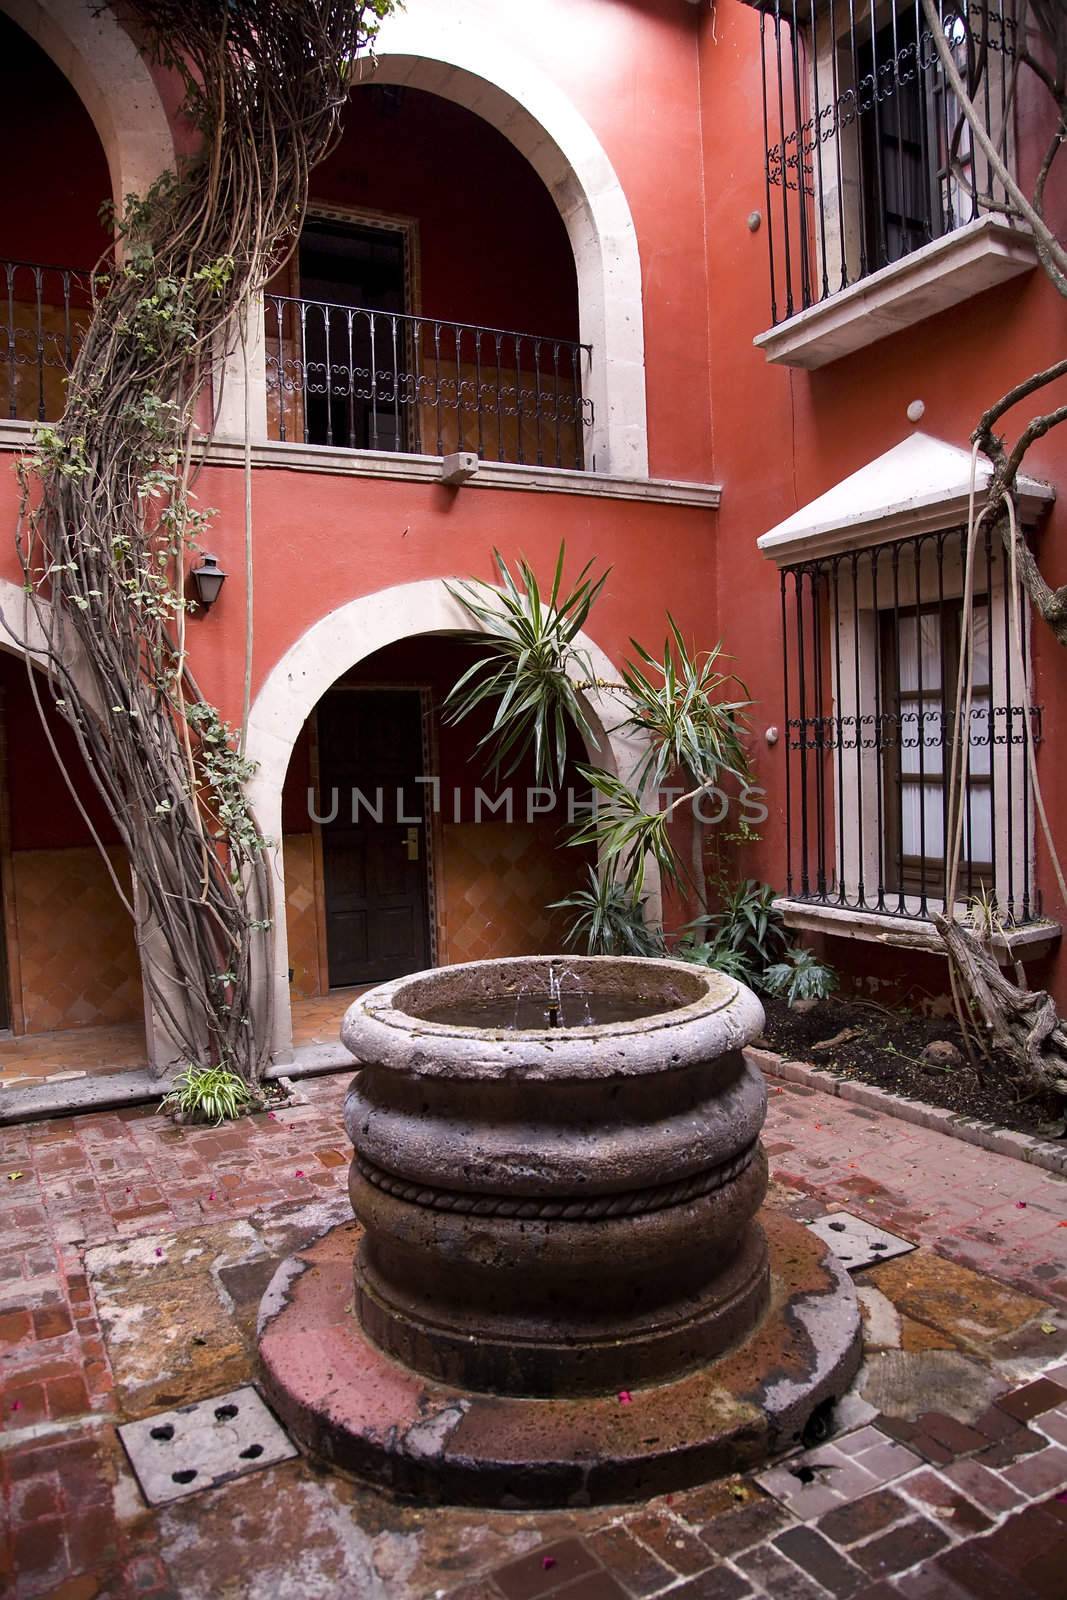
557	1209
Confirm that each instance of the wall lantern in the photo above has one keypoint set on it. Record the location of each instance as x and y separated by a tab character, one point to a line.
209	579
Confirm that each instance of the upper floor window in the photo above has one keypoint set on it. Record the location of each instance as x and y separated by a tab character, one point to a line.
868	157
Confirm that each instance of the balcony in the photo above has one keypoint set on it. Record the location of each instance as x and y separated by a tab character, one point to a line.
340	375
45	312
363	379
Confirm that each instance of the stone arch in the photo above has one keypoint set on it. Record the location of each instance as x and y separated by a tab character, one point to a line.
464	59
329	648
112	80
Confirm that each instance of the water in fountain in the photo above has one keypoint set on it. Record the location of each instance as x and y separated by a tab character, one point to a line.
537	1008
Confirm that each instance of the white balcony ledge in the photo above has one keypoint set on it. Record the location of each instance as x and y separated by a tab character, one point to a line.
338	461
1029	942
940	275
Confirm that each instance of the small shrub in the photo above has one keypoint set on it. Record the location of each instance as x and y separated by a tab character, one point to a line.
610	920
748	924
800	976
705	953
208	1094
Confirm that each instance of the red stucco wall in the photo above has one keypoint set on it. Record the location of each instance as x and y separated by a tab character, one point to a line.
815	428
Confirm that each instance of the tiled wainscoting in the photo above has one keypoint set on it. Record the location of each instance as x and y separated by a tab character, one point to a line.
74	964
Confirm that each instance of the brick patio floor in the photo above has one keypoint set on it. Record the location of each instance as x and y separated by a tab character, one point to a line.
948	1479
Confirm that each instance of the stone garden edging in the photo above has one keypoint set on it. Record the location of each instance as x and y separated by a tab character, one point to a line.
1046	1153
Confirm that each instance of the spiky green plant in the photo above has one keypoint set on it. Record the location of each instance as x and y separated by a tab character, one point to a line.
704	953
610	920
531	667
208	1094
748	922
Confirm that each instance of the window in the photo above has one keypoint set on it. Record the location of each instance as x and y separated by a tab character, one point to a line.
873	641
920	658
867	156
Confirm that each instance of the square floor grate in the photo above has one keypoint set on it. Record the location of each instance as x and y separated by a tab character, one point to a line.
205	1443
856	1243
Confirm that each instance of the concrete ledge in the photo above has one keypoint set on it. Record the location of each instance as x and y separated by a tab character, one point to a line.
965	262
293	457
106	1091
1049	1154
110	1091
1028	942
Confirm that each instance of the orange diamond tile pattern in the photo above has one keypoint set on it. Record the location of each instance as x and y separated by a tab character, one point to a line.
301	915
77	953
498	879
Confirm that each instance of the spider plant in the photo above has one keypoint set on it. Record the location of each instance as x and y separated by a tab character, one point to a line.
208	1094
531	667
609	922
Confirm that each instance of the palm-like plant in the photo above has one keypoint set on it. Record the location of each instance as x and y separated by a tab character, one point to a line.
676	705
532	665
534	672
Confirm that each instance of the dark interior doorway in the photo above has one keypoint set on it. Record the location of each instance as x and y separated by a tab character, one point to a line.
353	283
374	857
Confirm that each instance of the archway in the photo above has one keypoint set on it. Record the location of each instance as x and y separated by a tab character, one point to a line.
112	79
462	61
323	655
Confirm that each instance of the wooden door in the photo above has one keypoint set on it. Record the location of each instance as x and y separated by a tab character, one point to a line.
374	858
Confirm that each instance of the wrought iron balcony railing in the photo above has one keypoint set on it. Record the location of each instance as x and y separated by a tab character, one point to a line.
872	645
339	375
379	380
868	156
45	312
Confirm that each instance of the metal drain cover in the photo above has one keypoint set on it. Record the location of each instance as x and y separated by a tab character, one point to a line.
203	1444
856	1243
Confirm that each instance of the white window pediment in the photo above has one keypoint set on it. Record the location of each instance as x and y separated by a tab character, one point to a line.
919	485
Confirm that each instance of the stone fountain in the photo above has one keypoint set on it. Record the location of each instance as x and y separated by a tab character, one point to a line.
564	1290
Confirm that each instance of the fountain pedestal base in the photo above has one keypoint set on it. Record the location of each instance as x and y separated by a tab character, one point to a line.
360	1411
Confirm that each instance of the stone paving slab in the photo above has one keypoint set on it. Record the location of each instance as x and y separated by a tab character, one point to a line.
979	1427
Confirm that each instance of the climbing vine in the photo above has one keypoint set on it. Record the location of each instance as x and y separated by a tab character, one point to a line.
109	514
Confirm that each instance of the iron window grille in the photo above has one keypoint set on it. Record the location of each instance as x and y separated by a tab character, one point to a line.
872	644
868	157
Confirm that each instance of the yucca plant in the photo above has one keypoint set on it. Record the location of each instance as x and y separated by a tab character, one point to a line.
800	976
610	920
534	673
208	1094
531	667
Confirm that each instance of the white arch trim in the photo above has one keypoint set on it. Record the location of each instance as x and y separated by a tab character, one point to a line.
333	646
111	78
456	50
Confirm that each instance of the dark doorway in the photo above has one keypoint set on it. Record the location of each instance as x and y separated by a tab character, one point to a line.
373	855
353	291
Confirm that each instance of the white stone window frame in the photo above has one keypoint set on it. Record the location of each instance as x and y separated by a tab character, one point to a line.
867	511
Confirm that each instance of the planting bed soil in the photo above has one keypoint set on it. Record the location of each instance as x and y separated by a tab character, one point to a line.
885	1047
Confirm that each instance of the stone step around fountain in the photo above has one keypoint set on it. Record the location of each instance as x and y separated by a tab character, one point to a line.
362	1413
